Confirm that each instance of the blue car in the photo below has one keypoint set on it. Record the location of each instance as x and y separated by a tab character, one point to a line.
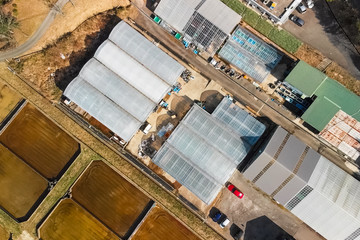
217	217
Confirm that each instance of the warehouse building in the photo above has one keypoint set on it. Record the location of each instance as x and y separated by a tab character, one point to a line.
329	96
204	150
250	54
206	23
310	186
124	81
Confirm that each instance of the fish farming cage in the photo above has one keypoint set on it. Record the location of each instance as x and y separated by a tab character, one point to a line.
250	54
203	152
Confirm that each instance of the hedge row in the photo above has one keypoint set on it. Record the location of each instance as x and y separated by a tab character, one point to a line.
280	37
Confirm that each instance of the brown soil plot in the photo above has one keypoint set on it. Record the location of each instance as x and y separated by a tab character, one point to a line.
3	234
20	186
109	197
8	100
69	221
39	142
160	225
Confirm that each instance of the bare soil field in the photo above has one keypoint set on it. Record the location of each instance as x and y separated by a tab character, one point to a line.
20	185
8	100
39	142
109	197
159	224
49	73
71	222
3	234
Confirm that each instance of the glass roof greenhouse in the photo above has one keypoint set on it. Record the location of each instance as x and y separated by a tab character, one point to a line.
250	54
204	150
124	81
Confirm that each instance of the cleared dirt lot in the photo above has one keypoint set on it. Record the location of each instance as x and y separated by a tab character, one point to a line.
8	100
20	185
160	225
39	142
109	197
71	222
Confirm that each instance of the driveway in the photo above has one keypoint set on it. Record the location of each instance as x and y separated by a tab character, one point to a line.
259	216
322	32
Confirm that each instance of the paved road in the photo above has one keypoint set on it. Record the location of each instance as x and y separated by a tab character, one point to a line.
243	91
322	32
37	35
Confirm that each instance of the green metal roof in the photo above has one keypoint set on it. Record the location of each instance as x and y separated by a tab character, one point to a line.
331	97
305	78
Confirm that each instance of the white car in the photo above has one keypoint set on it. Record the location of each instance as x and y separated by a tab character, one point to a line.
310	3
224	223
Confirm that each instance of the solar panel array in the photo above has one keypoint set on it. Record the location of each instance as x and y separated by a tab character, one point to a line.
250	54
203	152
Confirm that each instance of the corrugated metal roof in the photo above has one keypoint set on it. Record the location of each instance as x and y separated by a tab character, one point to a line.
308	165
253	170
273	178
305	78
290	154
274	144
220	15
176	12
290	190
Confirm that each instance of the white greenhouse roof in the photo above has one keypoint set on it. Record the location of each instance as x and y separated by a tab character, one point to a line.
145	52
202	153
333	207
121	85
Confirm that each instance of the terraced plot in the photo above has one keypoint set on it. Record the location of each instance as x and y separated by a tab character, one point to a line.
71	222
8	100
160	225
20	185
39	142
109	197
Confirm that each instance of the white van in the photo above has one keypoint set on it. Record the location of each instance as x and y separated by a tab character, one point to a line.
224	223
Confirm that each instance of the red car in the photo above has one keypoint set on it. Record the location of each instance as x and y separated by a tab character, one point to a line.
235	191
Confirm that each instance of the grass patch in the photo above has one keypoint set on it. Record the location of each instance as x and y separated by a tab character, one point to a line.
251	17
282	38
264	27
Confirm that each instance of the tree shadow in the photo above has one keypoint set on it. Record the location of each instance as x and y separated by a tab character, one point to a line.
64	76
263	228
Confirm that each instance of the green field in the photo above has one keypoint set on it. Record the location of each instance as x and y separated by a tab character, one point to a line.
282	38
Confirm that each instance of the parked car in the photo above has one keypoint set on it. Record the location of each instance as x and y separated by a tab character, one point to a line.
298	21
301	8
235	191
217	217
237	235
224	223
310	3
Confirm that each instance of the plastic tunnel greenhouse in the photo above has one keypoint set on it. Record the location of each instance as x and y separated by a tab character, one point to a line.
121	85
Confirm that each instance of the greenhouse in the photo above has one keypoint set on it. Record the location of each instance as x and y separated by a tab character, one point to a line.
250	54
203	151
121	85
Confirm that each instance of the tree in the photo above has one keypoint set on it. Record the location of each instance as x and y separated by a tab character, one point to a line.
7	24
